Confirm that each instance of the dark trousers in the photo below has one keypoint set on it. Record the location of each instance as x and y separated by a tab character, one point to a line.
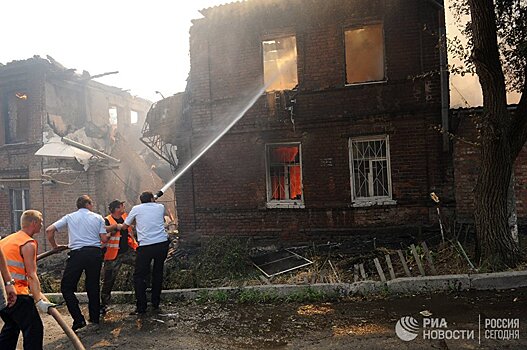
109	273
89	261
23	316
145	254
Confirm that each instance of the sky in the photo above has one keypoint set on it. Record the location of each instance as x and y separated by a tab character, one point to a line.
146	41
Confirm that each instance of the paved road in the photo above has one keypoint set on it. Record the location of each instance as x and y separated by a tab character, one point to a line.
356	323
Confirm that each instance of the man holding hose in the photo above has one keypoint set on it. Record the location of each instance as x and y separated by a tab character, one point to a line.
20	251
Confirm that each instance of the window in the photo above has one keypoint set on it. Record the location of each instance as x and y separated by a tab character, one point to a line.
279	61
112	112
134	117
16	117
284	175
19	203
364	54
370	170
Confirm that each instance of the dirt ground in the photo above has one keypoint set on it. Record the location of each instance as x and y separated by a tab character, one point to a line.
356	323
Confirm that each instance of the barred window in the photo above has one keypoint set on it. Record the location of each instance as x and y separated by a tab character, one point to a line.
370	169
284	175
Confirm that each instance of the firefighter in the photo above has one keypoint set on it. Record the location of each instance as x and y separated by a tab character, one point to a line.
153	246
120	249
86	230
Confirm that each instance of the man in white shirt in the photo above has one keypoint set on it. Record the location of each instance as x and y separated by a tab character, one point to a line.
86	230
153	246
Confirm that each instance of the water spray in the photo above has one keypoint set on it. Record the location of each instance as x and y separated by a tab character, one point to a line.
216	139
287	62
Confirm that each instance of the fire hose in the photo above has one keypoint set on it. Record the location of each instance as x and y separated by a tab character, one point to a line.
77	344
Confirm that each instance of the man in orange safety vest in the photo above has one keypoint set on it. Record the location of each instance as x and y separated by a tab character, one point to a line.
120	249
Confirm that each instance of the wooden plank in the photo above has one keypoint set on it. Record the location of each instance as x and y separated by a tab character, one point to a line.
334	271
355	272
418	261
362	272
405	265
379	270
390	267
429	258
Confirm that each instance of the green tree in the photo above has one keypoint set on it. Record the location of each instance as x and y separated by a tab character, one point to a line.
497	50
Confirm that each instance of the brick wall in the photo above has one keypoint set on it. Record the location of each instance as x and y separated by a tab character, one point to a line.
466	168
225	191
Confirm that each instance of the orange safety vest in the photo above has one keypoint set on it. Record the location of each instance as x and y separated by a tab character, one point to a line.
11	247
112	246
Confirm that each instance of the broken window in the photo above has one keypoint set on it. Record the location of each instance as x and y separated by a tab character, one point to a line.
284	174
371	176
279	61
16	115
112	111
19	203
364	54
134	117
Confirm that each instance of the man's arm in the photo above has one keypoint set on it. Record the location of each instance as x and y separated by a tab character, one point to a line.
29	253
10	290
104	233
50	234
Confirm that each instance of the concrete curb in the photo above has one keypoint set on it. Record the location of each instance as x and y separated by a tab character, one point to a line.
406	285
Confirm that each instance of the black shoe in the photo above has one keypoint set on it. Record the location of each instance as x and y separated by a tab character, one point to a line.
78	325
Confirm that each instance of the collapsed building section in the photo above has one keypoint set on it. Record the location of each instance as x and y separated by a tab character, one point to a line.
63	134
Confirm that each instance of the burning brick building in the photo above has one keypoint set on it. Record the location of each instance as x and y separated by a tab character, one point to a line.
339	141
42	106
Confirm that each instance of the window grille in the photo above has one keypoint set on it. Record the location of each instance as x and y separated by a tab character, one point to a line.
370	166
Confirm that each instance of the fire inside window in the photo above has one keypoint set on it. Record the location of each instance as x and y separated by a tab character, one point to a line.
364	54
284	173
279	61
19	203
371	175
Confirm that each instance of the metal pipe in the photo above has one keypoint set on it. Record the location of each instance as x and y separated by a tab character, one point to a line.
89	149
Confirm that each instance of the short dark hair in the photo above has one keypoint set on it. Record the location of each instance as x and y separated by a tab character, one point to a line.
146	197
83	201
116	203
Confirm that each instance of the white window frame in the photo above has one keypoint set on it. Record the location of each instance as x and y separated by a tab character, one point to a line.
371	200
282	203
17	212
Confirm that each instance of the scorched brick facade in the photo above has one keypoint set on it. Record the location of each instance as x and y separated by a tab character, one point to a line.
323	189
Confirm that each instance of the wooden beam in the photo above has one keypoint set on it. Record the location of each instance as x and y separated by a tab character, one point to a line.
418	261
429	258
390	267
379	270
405	265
